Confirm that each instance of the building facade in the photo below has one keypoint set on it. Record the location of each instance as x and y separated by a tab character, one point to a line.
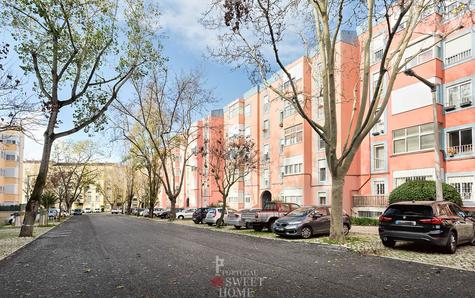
292	166
11	168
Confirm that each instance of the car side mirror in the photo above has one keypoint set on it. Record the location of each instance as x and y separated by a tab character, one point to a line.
317	215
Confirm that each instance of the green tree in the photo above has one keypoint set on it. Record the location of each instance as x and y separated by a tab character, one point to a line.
423	191
81	54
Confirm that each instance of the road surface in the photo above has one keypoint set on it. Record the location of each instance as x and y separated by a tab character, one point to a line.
121	256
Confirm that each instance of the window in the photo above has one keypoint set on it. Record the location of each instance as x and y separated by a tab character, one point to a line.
460	141
265	151
8	189
401	180
233	199
374	83
288	109
9	155
379	187
322	198
266	178
293	199
247	131
380	126
10	139
247	199
322	170
459	95
321	143
266	103
9	172
320	108
293	135
282	145
265	129
379	157
234	110
369	213
247	110
464	186
413	138
458	49
293	169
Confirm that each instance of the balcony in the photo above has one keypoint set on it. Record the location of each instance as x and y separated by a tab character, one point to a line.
370	201
458	57
453	150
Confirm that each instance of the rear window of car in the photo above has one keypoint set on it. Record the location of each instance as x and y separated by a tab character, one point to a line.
269	206
411	210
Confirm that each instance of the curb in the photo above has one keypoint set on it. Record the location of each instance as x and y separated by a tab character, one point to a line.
2	260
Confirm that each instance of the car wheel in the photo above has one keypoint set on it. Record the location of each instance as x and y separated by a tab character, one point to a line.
257	228
306	232
346	229
181	217
388	242
196	221
473	239
237	227
451	246
202	221
269	225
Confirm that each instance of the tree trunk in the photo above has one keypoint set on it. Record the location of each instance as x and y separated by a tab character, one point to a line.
439	195
172	215
129	204
336	227
220	221
34	201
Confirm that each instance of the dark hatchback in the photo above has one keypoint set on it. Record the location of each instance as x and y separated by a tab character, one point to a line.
438	223
199	215
307	221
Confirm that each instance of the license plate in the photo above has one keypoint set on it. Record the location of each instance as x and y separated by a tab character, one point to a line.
406	222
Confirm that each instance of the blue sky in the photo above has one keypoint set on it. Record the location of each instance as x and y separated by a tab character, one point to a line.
186	46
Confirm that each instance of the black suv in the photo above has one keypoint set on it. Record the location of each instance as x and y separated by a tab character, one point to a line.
199	215
438	223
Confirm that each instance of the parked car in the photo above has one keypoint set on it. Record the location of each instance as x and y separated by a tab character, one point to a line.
185	213
64	213
157	211
214	214
166	213
199	215
265	218
235	219
87	210
143	212
52	213
77	212
308	221
97	210
115	211
11	219
438	223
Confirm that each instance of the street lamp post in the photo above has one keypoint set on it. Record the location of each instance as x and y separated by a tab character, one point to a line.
439	196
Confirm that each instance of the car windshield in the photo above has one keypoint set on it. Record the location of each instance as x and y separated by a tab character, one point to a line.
300	212
270	206
411	210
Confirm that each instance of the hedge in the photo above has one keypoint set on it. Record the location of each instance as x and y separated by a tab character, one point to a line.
364	221
423	191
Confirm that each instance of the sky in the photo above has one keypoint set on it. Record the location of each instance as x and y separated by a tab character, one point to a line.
186	45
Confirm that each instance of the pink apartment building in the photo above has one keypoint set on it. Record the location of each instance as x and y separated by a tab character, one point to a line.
292	164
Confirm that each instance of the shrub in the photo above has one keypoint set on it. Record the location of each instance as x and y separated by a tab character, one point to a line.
364	221
423	191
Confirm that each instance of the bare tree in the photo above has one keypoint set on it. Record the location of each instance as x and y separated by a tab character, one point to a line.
73	50
130	168
72	170
257	30
230	161
165	109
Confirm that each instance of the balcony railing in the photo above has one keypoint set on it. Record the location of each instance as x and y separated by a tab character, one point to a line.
458	57
452	150
370	201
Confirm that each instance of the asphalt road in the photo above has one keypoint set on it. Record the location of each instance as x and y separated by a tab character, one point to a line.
120	256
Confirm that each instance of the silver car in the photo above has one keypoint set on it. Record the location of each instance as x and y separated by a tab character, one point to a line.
235	219
214	214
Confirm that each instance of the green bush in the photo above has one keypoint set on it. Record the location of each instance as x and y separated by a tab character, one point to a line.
364	221
423	191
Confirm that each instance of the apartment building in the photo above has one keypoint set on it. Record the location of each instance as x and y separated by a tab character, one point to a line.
11	167
292	165
107	187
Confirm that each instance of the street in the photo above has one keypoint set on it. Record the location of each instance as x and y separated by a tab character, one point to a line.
117	255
